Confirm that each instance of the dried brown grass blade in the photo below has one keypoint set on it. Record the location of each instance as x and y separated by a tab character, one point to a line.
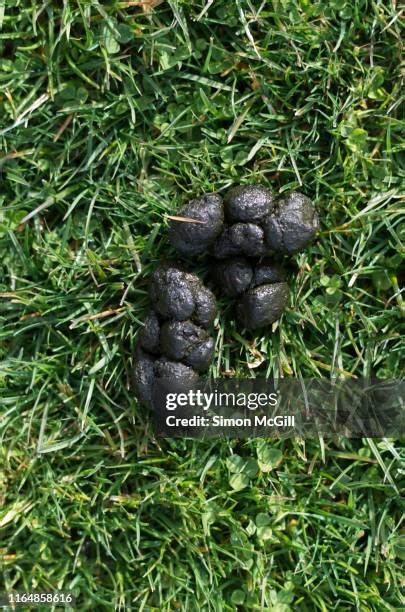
184	219
146	5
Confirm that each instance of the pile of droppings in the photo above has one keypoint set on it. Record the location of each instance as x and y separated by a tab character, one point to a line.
247	234
174	343
195	238
257	229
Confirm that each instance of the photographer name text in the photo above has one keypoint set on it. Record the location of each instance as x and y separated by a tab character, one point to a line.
221	421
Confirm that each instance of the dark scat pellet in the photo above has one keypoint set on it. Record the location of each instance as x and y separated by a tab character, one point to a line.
233	276
248	238
179	295
176	374
262	305
195	238
268	272
201	356
292	225
205	306
144	376
171	293
171	377
183	341
248	203
224	247
149	334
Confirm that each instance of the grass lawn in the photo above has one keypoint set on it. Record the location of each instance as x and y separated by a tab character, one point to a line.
111	117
